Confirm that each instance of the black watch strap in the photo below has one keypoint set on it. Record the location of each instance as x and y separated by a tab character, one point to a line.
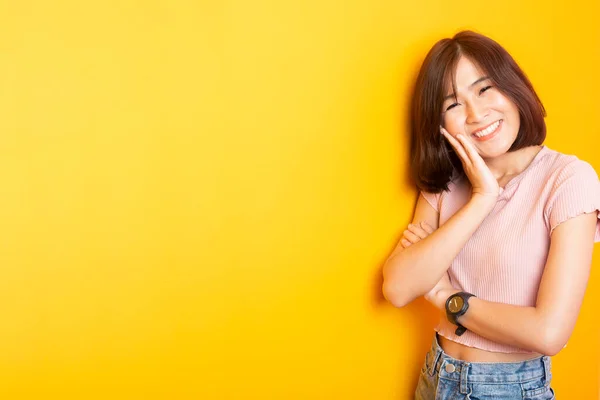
460	330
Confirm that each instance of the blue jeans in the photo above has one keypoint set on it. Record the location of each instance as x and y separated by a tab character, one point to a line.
444	378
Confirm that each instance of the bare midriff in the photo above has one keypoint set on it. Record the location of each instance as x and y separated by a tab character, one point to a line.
472	354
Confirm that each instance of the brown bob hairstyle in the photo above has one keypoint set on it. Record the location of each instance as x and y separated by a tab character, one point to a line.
433	161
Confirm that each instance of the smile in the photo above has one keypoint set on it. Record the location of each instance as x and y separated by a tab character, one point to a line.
487	132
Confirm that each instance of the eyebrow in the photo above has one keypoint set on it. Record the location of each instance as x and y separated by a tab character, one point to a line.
483	78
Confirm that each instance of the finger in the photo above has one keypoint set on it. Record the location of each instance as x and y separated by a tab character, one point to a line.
471	152
427	227
417	230
458	147
411	236
405	243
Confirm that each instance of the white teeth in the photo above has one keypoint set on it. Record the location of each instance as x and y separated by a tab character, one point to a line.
488	130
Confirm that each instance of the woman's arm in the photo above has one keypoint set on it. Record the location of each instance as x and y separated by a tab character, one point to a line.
411	272
414	271
545	328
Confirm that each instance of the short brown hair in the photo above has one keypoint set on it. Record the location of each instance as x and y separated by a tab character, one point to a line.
433	160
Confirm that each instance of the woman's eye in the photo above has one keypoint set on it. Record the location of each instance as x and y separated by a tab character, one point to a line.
484	89
451	106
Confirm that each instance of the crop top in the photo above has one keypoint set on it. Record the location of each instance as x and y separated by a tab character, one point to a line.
504	259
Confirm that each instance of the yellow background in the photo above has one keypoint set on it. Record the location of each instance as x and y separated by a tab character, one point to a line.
196	197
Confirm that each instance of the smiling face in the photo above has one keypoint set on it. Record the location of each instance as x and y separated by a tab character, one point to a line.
480	111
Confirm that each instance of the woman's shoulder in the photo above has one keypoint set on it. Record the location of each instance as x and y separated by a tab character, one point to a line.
458	188
572	189
562	166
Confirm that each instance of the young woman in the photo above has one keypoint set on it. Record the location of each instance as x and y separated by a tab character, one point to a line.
503	232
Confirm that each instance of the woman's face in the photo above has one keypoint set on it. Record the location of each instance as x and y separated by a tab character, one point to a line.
481	112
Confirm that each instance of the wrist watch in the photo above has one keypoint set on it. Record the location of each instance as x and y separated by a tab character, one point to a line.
457	305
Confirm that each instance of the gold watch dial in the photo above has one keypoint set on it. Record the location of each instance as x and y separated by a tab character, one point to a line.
455	304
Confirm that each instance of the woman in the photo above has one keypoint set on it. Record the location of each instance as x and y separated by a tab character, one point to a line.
503	232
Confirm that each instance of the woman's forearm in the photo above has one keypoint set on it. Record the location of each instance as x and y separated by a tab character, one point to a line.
508	324
414	271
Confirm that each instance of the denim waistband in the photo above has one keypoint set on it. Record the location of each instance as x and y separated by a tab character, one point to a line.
478	372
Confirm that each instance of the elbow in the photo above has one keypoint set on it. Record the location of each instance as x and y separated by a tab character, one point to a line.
394	294
552	349
553	340
399	285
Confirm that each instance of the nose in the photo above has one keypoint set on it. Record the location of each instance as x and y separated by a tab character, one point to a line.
476	112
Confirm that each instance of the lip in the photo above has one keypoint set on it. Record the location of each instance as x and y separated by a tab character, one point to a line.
490	136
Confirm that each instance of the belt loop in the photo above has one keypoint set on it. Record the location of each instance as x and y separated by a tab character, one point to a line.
547	369
434	362
463	377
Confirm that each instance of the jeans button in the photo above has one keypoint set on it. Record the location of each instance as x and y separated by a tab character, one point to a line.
450	368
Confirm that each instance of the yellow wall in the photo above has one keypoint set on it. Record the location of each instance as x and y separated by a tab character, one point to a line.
196	198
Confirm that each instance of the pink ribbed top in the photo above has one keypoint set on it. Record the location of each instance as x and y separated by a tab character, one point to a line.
504	259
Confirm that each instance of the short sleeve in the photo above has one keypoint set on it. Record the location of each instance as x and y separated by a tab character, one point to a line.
576	191
433	199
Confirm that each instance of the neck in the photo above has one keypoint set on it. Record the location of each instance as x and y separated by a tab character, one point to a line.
513	163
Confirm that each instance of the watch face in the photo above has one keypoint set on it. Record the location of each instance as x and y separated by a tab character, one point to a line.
456	304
